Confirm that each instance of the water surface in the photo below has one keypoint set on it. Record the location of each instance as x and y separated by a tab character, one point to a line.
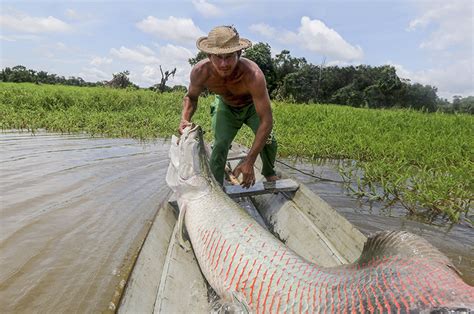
456	241
74	211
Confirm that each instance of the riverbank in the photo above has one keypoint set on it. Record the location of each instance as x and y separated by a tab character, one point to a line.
423	161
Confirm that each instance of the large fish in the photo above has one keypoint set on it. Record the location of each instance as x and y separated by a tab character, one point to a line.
396	272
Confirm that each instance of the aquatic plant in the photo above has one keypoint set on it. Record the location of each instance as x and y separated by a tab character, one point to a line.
425	161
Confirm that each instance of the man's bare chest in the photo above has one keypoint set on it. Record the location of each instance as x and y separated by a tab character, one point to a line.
233	94
227	90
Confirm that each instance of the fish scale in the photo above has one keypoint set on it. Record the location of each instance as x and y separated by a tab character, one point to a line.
397	272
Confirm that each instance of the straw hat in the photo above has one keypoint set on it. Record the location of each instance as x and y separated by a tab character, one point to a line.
222	40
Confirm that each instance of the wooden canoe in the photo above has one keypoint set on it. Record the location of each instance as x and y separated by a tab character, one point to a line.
167	279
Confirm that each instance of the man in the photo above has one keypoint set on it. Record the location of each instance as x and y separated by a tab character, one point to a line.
241	97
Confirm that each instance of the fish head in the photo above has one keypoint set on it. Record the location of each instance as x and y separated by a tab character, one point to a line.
188	172
191	145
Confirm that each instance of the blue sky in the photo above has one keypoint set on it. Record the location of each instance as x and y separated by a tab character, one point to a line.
429	42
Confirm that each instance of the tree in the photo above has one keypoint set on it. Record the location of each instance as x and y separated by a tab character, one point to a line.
200	56
348	95
421	97
120	80
20	74
331	80
465	105
456	103
164	78
285	64
179	88
42	77
299	86
5	74
261	54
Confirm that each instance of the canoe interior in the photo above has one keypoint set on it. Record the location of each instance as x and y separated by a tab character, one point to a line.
167	279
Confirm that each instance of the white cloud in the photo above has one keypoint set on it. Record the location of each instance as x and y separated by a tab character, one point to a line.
94	75
453	22
314	36
140	55
338	63
25	37
455	79
175	29
263	29
145	50
414	76
150	73
448	46
206	9
171	53
171	57
72	14
29	24
60	46
97	61
5	38
144	63
54	50
176	57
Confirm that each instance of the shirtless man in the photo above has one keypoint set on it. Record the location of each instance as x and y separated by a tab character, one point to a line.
241	97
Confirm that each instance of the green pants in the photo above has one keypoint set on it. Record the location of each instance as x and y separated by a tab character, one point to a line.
226	121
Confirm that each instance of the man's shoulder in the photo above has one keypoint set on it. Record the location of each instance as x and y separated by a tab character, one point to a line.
201	70
202	65
251	69
247	63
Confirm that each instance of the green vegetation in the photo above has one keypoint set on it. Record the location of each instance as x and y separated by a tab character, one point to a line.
95	110
295	80
422	160
20	74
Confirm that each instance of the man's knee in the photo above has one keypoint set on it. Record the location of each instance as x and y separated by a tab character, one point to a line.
218	160
220	150
221	147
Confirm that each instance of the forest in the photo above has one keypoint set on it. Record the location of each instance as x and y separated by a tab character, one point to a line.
295	80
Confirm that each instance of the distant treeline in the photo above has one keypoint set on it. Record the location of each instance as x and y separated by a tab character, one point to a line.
298	81
20	74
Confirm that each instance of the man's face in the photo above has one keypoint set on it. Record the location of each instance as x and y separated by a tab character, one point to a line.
224	64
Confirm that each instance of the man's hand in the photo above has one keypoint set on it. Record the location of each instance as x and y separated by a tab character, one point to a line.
248	174
182	125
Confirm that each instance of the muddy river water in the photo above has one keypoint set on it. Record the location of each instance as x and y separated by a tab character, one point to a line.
74	210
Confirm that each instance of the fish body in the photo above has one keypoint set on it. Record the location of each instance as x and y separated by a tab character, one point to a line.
397	272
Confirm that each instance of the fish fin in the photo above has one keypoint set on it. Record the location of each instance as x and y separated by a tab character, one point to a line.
182	242
403	244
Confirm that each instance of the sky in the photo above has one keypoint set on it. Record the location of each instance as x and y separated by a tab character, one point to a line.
428	41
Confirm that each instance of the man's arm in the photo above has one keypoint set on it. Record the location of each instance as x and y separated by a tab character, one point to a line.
261	100
190	100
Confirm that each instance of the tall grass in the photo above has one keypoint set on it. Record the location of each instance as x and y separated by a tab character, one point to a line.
96	110
424	161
